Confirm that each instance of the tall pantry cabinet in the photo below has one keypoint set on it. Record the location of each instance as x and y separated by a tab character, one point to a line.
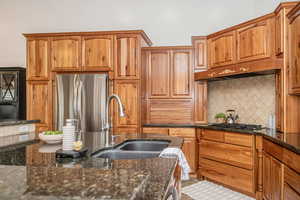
117	53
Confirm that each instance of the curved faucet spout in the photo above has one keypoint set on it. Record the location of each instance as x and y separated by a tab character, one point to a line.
107	111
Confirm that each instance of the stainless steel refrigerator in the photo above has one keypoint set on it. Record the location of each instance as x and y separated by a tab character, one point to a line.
82	97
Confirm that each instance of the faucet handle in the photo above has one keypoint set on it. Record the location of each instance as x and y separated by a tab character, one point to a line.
113	139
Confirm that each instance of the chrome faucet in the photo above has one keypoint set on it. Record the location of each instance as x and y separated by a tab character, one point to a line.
107	124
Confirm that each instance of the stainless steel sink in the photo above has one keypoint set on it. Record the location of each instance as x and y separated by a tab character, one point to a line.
133	149
144	145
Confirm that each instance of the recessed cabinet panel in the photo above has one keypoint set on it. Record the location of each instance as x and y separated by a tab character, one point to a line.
39	102
128	91
38	59
97	52
200	48
201	102
181	73
279	32
159	74
272	178
222	49
189	149
170	111
294	56
127	58
65	53
253	41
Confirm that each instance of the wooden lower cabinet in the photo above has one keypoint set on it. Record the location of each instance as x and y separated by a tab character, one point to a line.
281	180
189	149
291	188
234	177
289	193
190	143
228	158
272	178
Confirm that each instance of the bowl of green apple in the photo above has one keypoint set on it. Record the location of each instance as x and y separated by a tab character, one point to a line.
51	137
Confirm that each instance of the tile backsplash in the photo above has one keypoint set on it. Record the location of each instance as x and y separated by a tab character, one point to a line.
253	98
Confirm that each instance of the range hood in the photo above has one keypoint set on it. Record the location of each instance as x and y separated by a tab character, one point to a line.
240	70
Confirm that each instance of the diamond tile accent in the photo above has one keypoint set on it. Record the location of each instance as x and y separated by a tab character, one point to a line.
253	98
205	190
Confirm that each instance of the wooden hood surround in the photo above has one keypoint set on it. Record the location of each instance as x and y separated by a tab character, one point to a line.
251	48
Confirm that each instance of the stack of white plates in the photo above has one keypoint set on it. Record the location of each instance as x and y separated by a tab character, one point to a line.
68	138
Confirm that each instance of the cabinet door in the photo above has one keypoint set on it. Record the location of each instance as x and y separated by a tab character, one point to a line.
38	59
267	182
181	74
279	32
189	149
272	178
159	74
200	49
294	56
200	102
254	41
97	53
66	53
129	92
222	49
127	57
39	102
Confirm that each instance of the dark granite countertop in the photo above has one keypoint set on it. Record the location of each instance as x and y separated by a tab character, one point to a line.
291	141
17	122
31	171
171	125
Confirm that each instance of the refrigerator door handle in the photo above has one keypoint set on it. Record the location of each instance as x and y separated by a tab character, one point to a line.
79	101
75	97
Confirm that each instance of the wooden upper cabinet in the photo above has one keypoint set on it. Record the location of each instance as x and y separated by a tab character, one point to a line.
294	53
39	102
97	53
222	49
38	59
129	92
200	102
159	74
254	41
128	57
181	74
200	52
66	53
279	32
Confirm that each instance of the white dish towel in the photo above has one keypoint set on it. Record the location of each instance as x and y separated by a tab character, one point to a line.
173	152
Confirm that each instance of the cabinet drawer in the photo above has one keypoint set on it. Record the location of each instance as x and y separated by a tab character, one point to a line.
212	135
289	193
183	132
273	149
292	160
155	130
292	178
228	137
239	139
227	153
235	177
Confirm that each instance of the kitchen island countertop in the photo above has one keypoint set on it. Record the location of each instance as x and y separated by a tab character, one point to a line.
31	171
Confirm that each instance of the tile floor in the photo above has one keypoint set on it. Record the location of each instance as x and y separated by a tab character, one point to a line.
205	190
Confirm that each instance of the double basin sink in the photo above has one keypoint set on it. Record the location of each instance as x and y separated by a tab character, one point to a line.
133	149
